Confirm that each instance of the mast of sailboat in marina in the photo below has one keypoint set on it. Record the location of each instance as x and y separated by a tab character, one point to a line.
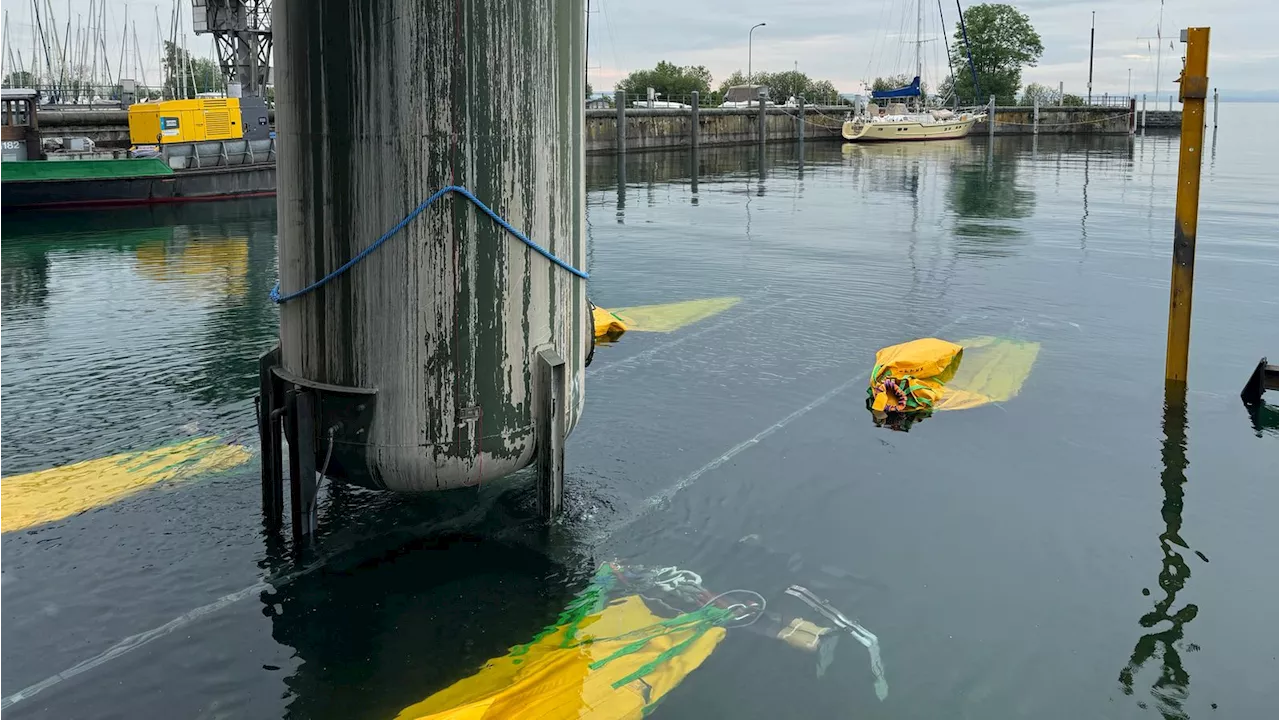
919	51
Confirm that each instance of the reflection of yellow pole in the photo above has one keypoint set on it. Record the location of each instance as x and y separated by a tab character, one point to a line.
1194	87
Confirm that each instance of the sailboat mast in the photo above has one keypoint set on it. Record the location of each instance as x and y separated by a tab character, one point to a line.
1159	47
919	35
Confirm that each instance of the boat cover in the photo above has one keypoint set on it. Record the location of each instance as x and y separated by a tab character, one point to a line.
911	90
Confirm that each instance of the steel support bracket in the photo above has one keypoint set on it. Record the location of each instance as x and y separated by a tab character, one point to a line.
1265	377
1193	87
551	404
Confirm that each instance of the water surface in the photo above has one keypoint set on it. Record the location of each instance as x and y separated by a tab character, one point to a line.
1078	551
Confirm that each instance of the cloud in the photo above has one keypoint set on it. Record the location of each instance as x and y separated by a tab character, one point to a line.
845	42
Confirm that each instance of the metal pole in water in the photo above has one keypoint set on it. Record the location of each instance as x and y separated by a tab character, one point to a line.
800	124
1144	111
762	118
1035	117
991	118
1093	15
1193	87
620	99
1215	108
693	121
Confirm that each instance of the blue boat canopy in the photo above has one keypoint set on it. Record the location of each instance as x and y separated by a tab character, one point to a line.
911	90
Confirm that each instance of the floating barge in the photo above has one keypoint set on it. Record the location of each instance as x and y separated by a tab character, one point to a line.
182	166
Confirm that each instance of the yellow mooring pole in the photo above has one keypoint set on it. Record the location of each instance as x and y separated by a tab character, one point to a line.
1194	87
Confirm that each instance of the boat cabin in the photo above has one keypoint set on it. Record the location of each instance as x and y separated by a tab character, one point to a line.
19	130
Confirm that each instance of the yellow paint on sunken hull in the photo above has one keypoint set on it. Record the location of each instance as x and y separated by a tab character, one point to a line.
56	493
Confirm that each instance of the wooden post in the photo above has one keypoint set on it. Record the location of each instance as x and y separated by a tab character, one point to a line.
1133	115
1193	87
694	128
991	118
550	433
620	98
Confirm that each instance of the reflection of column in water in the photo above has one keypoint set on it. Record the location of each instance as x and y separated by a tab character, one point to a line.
694	156
622	187
760	166
1084	191
1170	688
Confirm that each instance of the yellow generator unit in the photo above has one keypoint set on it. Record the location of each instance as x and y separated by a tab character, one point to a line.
177	121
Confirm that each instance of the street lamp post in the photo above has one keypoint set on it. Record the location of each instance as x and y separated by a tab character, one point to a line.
749	34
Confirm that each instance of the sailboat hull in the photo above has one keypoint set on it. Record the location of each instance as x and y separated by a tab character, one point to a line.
855	131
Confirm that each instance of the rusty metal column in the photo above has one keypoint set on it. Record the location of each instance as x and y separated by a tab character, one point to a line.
1193	88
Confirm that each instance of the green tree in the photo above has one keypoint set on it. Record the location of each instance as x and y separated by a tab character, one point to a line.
1070	100
1002	42
201	74
737	77
19	79
668	80
587	93
822	91
1037	92
793	83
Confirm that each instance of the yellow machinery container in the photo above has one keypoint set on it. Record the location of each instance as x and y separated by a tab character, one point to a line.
176	121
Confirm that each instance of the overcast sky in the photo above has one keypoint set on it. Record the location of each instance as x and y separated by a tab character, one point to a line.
845	41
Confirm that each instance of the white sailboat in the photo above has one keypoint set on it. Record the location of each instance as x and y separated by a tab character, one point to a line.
896	122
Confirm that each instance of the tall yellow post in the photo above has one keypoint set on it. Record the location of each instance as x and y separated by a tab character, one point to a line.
1194	87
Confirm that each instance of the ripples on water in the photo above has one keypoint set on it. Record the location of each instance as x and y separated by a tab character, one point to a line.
1078	551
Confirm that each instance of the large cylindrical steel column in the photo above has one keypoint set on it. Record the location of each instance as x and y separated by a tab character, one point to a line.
379	105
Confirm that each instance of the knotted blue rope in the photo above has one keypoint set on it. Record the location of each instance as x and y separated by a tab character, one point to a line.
277	298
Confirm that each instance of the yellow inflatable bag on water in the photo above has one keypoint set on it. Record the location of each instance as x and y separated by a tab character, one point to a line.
607	325
614	662
925	375
910	377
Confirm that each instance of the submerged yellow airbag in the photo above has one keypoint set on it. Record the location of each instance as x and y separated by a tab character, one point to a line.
929	374
48	495
615	663
664	318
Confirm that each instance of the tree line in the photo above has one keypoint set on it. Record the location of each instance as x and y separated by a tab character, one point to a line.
678	82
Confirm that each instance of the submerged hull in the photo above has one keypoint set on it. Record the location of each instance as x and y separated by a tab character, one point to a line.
182	186
856	131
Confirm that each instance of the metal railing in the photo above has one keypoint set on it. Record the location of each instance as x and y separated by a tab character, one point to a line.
218	153
705	100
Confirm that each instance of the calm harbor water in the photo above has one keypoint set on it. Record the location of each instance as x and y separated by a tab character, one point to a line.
1078	551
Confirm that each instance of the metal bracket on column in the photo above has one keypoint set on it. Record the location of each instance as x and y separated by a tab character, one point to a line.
550	411
271	408
325	427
